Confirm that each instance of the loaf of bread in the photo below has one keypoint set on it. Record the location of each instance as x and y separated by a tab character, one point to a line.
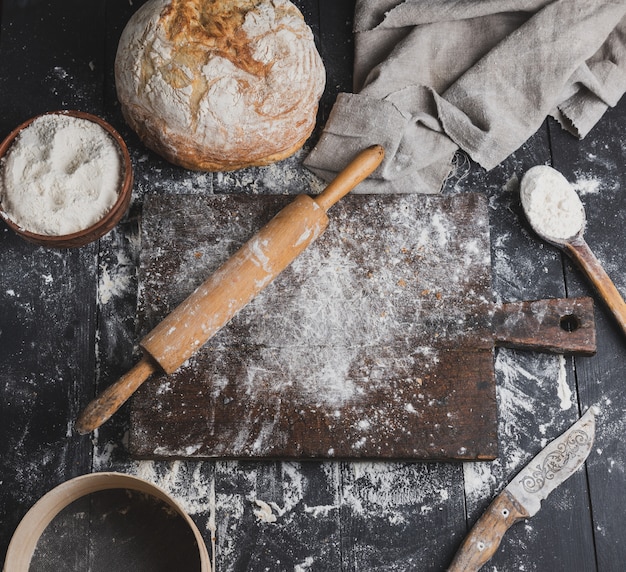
218	85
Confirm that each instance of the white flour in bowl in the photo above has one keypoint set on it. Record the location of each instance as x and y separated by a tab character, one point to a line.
60	175
551	204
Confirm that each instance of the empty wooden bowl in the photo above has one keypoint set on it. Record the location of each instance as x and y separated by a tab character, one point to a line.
32	528
96	229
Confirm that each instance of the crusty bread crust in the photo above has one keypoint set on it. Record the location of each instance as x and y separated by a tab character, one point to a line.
218	85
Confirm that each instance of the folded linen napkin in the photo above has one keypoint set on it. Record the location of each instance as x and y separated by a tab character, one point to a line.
435	76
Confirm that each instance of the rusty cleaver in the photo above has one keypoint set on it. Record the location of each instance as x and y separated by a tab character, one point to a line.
522	497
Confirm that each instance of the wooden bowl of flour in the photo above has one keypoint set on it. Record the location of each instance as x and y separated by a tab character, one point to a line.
65	179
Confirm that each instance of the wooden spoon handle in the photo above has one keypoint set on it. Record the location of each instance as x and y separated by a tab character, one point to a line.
585	258
111	399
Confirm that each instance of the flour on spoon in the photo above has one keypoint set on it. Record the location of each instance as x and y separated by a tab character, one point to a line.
551	204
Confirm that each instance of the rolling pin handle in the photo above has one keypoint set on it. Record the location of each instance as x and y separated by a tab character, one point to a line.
111	399
361	167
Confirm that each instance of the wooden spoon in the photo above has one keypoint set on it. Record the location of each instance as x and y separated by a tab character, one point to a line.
557	215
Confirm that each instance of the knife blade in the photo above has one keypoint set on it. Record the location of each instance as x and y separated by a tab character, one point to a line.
521	498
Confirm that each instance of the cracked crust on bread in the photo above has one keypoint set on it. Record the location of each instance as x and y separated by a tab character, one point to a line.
219	85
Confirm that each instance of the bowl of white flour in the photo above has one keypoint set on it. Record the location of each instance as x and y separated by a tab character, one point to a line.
65	179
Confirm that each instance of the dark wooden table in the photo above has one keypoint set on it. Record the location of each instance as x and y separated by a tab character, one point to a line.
68	329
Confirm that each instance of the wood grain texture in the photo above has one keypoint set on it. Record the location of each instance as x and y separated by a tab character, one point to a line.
376	344
595	168
559	325
241	277
323	515
532	389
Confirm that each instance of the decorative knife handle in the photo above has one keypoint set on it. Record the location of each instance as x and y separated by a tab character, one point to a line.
485	537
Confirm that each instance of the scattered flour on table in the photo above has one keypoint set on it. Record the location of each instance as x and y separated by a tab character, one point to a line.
189	483
338	309
564	392
386	490
114	281
586	185
103	455
480	481
551	204
285	177
60	175
610	429
265	513
527	389
304	566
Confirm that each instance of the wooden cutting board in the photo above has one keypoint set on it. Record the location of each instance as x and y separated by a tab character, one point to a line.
377	342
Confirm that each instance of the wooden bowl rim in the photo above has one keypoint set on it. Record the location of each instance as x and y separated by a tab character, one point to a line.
43	512
110	218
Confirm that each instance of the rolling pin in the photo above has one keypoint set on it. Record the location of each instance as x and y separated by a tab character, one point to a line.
211	306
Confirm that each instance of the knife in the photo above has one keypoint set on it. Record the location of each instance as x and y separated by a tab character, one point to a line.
522	497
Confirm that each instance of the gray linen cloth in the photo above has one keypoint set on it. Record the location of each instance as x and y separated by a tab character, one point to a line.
435	76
